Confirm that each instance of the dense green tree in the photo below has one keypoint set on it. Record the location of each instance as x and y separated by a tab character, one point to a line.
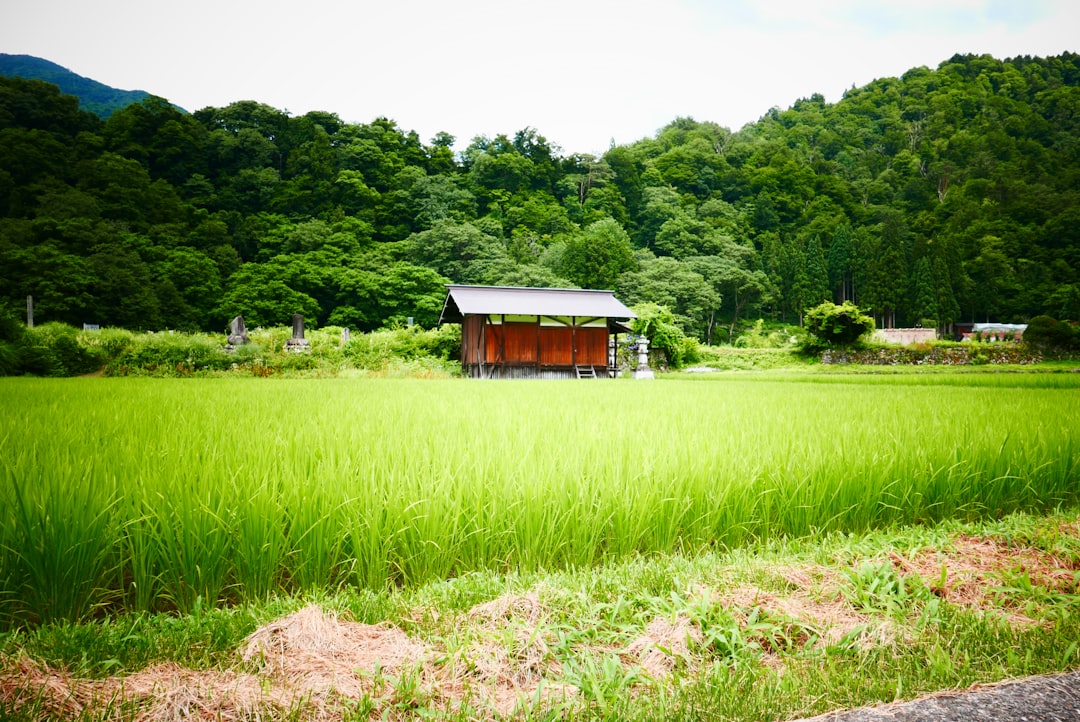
123	288
841	263
924	297
735	275
675	285
459	251
372	295
810	285
168	143
598	255
257	293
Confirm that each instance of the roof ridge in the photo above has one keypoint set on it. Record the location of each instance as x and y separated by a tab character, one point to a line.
531	288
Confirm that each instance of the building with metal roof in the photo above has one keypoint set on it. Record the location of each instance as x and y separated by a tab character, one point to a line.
511	332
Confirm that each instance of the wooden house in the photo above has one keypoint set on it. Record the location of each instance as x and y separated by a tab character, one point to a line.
511	332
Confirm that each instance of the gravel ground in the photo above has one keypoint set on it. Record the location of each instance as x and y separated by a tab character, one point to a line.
1054	698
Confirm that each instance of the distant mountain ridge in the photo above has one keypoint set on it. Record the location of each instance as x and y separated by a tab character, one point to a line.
95	97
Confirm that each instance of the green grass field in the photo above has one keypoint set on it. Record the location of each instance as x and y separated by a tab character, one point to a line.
155	495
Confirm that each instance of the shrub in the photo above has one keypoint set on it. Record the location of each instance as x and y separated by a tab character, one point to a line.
170	354
106	344
1047	334
657	323
758	337
37	359
11	342
374	351
67	355
841	325
11	329
9	358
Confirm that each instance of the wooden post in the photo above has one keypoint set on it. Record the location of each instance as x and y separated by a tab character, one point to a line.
29	311
573	341
482	351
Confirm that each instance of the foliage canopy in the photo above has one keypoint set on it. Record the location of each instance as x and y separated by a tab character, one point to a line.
945	195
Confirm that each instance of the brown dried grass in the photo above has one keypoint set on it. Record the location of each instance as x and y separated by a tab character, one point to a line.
313	650
525	608
664	646
968	572
509	663
806	619
161	693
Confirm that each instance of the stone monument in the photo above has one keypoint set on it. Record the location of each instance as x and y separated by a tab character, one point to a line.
297	342
237	334
345	335
643	371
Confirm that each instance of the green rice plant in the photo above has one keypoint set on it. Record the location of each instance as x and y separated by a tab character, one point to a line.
227	489
58	549
261	542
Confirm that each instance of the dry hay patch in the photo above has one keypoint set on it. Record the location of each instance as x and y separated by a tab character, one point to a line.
318	652
803	619
509	662
806	578
161	693
510	608
664	646
969	571
308	665
510	648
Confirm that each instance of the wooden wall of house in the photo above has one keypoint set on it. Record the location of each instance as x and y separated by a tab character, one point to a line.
539	343
512	343
472	334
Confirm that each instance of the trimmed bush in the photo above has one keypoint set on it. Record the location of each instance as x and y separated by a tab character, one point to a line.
1047	334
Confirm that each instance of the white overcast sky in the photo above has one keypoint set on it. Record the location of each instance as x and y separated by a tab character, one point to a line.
582	72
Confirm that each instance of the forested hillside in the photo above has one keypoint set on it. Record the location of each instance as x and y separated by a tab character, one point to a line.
98	98
945	195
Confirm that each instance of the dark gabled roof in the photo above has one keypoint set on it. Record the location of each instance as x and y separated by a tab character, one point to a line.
464	301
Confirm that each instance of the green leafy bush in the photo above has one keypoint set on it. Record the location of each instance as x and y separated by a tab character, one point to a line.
841	325
375	350
170	354
757	336
11	341
657	323
108	343
1047	334
59	346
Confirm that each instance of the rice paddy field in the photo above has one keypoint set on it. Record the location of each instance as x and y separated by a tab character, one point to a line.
158	495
